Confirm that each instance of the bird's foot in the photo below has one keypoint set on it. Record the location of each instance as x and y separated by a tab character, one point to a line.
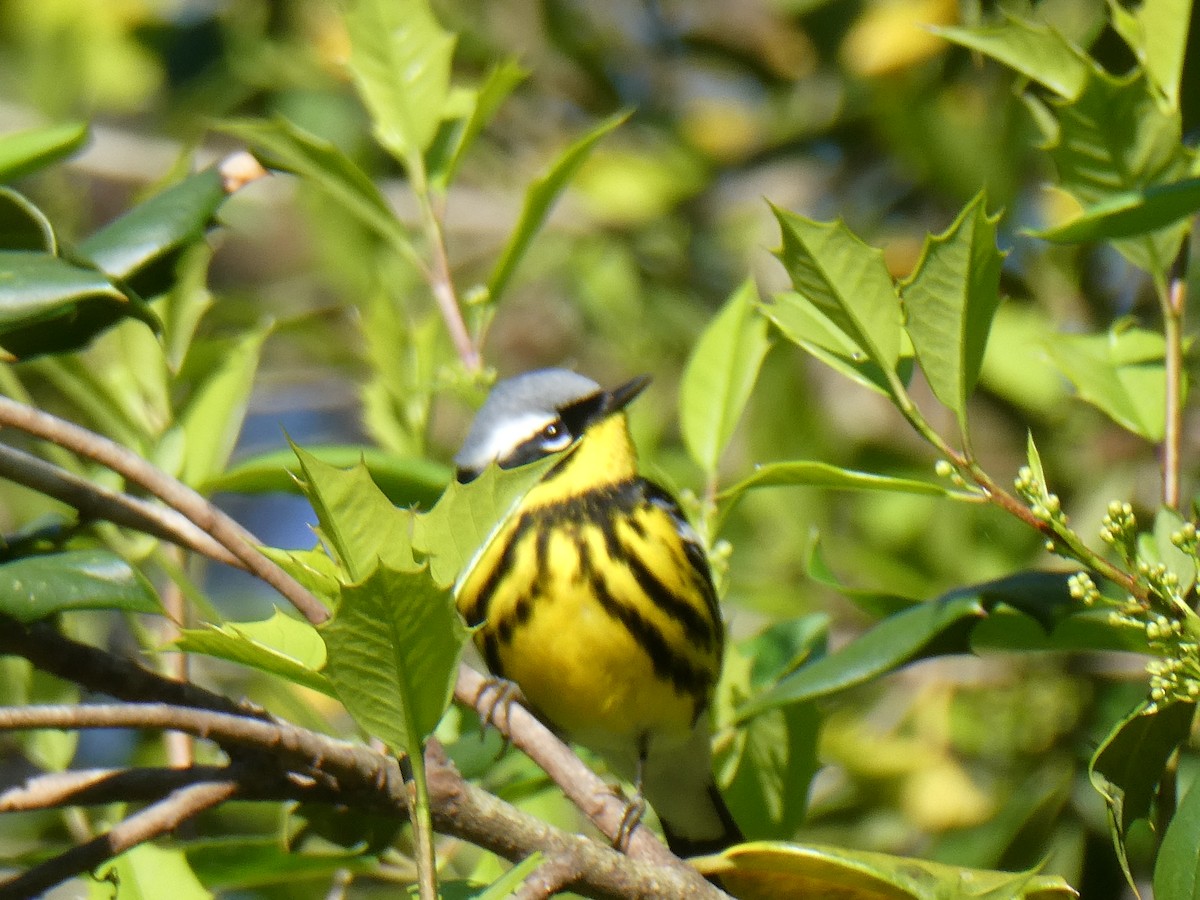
494	695
635	811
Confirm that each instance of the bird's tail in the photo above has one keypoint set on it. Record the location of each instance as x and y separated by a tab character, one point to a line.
685	839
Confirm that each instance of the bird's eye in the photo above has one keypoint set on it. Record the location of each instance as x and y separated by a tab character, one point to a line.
554	437
551	431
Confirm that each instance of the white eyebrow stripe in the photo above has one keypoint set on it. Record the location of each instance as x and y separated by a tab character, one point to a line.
511	433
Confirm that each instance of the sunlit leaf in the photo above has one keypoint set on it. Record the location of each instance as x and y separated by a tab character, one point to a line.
1032	48
805	473
720	376
506	885
540	197
280	645
950	300
244	863
769	870
35	587
466	516
847	281
26	151
357	521
1130	214
405	482
1157	33
143	871
401	64
394	646
496	87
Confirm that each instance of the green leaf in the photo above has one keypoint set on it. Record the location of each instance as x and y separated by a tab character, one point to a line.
357	521
540	197
394	646
23	226
463	521
1130	214
894	642
401	64
1157	32
1128	765
1166	523
1121	373
405	482
1034	49
950	300
720	376
506	885
143	872
27	151
36	587
280	645
801	473
847	281
244	863
775	869
806	326
282	145
140	245
212	419
1115	139
1177	868
48	305
496	87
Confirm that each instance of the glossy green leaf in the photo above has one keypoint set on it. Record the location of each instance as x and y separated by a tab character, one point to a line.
768	870
282	145
1032	48
1128	765
35	587
243	863
35	148
1130	214
803	473
23	226
1177	868
806	326
720	375
1114	139
139	246
507	884
1120	373
313	568
357	522
539	199
212	418
400	60
1157	33
894	642
847	281
394	646
950	300
467	515
496	87
280	645
145	870
405	482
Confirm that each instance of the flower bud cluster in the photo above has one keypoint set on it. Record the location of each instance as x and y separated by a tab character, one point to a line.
1044	505
943	468
1176	677
1081	587
1119	529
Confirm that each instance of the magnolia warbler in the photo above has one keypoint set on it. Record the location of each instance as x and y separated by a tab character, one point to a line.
595	597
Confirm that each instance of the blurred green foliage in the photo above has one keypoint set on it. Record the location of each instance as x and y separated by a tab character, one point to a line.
849	110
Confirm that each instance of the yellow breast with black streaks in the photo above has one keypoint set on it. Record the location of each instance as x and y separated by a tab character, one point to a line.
593	601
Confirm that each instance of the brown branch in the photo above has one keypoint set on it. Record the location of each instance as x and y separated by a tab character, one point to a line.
240	542
94	501
1173	303
373	781
154	821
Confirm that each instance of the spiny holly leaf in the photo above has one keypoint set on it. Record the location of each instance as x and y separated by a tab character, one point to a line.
467	515
950	300
1157	33
1130	214
394	646
35	587
720	376
847	281
357	521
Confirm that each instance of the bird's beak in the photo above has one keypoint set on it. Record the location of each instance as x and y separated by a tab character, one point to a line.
620	397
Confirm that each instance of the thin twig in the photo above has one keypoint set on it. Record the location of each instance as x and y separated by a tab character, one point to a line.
174	493
441	283
94	501
154	821
1174	301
